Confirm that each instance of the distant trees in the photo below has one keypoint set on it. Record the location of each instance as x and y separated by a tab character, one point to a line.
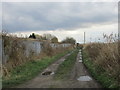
69	40
32	36
38	37
48	37
52	38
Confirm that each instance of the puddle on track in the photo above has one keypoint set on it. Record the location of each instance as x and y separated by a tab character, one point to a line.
84	78
80	58
80	61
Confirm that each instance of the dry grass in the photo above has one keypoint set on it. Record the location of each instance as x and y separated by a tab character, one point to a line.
15	52
106	55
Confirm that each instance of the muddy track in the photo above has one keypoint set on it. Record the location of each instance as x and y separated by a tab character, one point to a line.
81	77
78	78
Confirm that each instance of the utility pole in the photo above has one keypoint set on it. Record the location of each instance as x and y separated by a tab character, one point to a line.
84	38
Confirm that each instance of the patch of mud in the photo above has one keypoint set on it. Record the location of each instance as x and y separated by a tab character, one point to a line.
84	78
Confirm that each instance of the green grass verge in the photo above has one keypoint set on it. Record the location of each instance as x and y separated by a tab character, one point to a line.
28	71
99	73
64	69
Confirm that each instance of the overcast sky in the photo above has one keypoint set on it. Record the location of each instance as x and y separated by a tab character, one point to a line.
61	19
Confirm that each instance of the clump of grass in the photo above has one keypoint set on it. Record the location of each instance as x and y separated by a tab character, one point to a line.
65	68
28	70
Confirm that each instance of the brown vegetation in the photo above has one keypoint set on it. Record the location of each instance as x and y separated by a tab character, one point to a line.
106	55
15	53
15	50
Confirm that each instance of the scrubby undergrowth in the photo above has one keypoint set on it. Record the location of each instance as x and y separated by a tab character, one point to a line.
15	51
102	59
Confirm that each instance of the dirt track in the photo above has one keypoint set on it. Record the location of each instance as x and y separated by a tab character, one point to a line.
47	81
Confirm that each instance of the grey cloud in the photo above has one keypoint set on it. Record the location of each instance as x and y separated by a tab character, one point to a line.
52	16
